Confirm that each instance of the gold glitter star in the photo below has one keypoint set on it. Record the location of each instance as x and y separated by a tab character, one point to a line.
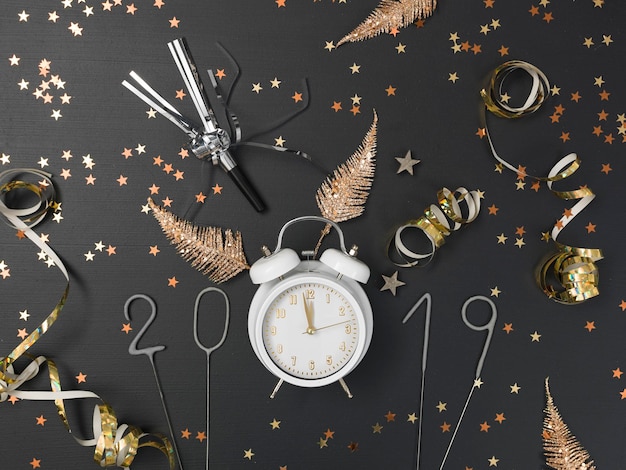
406	163
392	283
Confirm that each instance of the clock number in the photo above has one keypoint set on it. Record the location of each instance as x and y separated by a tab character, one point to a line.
311	365
348	329
293	360
310	294
342	346
273	330
279	348
327	298
329	360
281	313
293	299
342	311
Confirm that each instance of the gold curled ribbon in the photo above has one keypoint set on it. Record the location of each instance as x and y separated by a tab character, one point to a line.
435	225
573	267
114	444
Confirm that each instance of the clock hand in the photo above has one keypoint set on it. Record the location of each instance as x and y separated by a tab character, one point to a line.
327	326
308	311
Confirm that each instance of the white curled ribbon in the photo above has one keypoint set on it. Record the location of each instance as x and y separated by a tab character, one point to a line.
24	220
435	224
573	267
114	444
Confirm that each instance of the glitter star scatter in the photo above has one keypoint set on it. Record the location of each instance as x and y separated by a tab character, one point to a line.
77	16
51	90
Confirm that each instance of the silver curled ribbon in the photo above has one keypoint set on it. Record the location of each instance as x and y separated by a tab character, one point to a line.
438	221
573	268
115	444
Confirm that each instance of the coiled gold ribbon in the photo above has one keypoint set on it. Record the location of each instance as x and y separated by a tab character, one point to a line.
573	267
114	444
434	223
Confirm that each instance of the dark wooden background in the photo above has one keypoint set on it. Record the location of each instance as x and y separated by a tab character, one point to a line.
433	116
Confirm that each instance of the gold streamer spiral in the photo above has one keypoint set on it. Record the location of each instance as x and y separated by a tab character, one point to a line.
114	444
434	223
573	267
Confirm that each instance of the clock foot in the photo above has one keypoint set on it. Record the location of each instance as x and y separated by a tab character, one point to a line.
344	385
276	388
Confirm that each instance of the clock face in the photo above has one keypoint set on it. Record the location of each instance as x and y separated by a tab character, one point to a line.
311	330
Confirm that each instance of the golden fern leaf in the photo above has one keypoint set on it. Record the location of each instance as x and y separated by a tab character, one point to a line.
342	195
218	256
562	450
388	15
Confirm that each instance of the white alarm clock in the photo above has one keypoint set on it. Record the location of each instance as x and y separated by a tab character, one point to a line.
310	322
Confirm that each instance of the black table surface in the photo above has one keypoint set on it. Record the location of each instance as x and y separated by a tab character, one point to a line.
65	111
